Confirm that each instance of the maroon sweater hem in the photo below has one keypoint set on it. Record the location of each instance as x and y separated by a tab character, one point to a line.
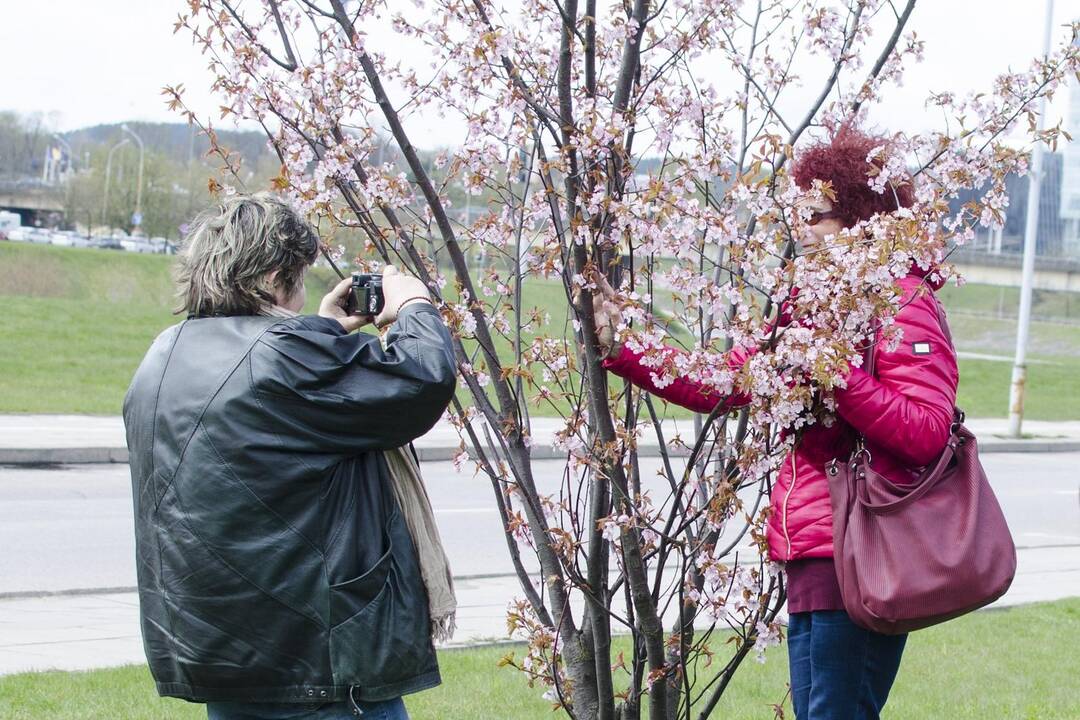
812	585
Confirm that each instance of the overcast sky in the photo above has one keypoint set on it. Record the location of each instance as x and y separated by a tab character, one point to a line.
83	62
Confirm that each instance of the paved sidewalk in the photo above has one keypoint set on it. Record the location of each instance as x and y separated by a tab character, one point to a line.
83	632
76	439
99	628
87	631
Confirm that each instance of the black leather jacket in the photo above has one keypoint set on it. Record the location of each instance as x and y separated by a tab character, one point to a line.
273	563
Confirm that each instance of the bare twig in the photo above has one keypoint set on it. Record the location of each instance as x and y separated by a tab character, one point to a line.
830	83
289	64
901	21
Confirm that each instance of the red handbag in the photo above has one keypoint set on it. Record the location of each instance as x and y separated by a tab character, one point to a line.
908	557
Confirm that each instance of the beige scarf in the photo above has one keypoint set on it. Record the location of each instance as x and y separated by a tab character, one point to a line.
277	311
415	506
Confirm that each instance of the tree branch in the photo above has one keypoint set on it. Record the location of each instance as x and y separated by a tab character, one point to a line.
901	21
287	65
849	38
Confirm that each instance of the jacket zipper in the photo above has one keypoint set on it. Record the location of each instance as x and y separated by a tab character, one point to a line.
787	496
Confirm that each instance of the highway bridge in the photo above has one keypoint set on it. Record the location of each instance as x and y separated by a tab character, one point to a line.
36	202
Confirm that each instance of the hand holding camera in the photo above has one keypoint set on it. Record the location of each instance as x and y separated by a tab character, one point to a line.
400	291
363	298
339	304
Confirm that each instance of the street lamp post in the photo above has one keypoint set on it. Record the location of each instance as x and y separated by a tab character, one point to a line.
1017	387
138	188
108	175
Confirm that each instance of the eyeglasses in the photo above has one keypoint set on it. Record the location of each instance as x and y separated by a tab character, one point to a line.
819	215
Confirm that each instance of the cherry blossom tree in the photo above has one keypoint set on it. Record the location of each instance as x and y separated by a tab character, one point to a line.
645	141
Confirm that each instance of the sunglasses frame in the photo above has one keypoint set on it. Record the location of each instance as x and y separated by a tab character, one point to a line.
817	216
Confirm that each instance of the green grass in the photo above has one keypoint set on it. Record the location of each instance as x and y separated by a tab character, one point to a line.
1004	301
65	356
1052	392
76	323
1016	664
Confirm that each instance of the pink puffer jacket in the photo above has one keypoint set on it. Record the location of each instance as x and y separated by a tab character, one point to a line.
905	412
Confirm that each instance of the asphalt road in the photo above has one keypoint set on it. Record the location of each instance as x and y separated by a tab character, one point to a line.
71	527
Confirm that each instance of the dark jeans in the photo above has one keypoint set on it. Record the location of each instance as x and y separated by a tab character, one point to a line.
388	710
839	671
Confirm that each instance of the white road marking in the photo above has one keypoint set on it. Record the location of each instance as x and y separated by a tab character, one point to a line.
1050	536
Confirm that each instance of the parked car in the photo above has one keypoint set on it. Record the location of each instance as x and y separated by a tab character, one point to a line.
9	221
106	243
138	245
79	241
163	246
41	236
60	238
17	234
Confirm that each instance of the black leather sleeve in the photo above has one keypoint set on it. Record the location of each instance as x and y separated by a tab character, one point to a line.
328	391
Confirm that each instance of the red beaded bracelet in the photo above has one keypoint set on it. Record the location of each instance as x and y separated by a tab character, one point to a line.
409	300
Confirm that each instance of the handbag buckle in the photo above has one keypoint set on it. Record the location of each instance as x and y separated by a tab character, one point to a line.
831	468
958	421
861	449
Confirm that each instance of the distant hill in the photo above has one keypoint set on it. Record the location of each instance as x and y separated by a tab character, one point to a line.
177	140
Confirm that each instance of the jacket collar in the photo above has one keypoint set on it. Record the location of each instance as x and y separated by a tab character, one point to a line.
929	275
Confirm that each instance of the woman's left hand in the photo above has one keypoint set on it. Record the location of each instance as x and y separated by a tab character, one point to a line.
605	315
333	307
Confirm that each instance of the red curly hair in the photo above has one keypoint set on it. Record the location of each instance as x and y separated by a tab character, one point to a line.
842	162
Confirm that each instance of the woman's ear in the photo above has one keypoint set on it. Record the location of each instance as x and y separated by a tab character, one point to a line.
270	284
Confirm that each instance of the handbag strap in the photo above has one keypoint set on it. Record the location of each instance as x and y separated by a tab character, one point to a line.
870	365
870	356
928	480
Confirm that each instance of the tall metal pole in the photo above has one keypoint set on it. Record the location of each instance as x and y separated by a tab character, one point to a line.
108	175
1031	227
138	188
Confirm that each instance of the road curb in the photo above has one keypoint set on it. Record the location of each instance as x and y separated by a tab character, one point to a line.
62	456
96	456
1029	446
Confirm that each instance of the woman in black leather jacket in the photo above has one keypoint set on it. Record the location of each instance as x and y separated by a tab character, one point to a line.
277	576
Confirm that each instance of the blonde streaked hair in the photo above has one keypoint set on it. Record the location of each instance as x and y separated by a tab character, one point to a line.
231	247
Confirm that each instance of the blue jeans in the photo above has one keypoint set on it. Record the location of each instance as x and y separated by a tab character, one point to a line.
839	671
386	710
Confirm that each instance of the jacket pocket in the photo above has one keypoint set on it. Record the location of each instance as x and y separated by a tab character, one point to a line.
353	596
386	641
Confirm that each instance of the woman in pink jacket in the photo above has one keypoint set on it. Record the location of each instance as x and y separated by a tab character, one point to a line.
904	411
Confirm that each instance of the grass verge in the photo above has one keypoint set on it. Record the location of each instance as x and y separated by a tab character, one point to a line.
1016	664
76	323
